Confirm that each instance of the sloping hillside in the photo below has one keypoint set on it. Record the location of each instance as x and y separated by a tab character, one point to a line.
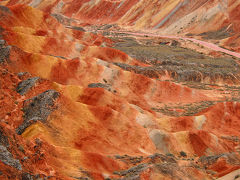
78	105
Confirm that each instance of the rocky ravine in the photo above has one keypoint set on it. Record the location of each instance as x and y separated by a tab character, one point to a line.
78	105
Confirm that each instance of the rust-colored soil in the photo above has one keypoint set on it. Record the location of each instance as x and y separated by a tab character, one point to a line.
75	104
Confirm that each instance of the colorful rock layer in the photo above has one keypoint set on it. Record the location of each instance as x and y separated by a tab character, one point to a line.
68	111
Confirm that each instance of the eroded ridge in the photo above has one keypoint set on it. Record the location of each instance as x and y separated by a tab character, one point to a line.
114	104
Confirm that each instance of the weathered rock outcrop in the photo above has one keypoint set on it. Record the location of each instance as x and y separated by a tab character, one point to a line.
3	138
38	108
24	86
4	52
5	156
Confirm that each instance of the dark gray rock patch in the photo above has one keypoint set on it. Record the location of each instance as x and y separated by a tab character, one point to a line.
77	28
57	56
7	158
167	168
27	176
132	172
209	160
38	108
24	86
4	53
63	19
98	85
150	72
5	9
162	157
3	138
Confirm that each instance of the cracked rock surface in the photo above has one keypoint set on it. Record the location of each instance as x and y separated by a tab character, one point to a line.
38	108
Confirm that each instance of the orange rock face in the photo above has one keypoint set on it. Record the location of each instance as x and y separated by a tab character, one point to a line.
73	106
212	20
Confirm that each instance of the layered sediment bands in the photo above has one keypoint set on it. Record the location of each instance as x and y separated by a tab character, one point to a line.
216	21
203	133
73	107
145	14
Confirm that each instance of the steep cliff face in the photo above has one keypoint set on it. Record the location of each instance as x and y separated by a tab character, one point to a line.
78	105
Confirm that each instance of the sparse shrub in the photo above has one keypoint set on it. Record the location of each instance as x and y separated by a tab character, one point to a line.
170	154
183	154
237	176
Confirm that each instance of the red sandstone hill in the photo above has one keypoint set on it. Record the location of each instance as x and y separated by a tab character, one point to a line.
215	20
78	105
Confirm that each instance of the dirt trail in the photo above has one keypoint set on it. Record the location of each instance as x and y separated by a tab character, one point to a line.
203	43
